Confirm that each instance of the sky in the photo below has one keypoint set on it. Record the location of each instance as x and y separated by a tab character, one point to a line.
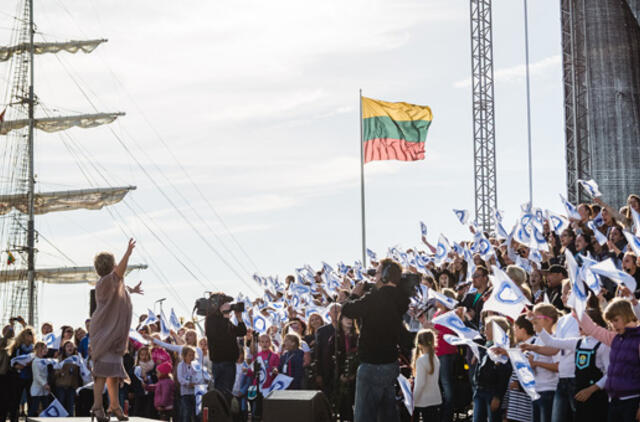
248	110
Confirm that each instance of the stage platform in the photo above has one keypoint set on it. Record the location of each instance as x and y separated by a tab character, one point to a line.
87	419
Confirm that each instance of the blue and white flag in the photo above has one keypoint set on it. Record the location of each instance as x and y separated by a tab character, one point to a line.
442	249
371	254
497	215
199	391
534	256
174	321
300	289
54	410
538	237
526	218
52	341
591	187
151	318
461	341
506	297
164	329
588	277
636	221
482	246
600	238
539	215
558	222
598	220
462	216
445	300
454	323
280	382
423	229
522	235
572	211
133	334
608	269
260	323
500	230
578	297
526	207
23	360
500	339
633	242
521	366
405	386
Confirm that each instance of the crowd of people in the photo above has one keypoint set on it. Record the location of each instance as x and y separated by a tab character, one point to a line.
375	342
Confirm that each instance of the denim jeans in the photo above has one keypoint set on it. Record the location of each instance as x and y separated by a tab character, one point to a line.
482	407
543	406
446	383
564	403
66	396
224	375
623	410
376	392
34	403
187	411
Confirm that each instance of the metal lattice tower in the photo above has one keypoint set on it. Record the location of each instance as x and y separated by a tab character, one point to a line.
484	152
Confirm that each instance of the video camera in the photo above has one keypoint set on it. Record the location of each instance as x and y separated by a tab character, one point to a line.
205	305
408	282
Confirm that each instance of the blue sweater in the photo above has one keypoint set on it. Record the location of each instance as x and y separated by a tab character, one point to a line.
291	365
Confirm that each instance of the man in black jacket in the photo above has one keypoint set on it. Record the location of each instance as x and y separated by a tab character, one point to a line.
322	355
222	337
380	313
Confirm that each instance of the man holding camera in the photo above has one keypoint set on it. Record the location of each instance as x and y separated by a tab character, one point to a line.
380	313
222	338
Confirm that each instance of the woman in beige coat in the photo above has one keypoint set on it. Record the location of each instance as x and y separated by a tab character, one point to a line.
109	331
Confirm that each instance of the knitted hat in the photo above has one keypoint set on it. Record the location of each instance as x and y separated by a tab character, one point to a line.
164	368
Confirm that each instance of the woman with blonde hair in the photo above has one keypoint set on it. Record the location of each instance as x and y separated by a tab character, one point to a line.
109	331
426	369
20	376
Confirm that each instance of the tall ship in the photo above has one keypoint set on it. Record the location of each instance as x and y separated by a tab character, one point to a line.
21	200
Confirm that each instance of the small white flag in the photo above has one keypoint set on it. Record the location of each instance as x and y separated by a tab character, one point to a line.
524	372
405	386
174	321
578	297
423	229
445	300
590	186
459	341
54	410
454	323
608	269
558	222
633	241
572	211
462	216
280	382
600	238
506	297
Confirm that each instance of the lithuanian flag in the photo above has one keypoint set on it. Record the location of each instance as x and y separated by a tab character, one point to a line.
394	131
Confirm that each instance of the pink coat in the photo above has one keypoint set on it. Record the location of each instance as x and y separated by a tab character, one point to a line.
164	393
272	360
159	355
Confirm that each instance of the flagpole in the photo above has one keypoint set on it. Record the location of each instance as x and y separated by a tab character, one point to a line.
526	45
364	238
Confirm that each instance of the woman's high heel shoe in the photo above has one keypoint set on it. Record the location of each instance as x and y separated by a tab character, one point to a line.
99	414
119	414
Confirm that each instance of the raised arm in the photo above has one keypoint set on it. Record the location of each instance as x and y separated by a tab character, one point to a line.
599	333
121	268
557	343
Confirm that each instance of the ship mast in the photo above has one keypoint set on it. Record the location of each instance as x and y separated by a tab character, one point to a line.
31	180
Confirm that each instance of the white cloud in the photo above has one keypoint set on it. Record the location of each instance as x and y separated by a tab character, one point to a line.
517	73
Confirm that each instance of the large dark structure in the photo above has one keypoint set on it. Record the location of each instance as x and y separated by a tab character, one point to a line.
601	70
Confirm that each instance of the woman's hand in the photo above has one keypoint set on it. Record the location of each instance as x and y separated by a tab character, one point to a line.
131	246
137	289
495	404
584	394
531	361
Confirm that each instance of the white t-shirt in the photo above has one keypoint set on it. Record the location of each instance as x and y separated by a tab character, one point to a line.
546	380
567	327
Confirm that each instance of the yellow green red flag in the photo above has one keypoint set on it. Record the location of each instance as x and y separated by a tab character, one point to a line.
394	131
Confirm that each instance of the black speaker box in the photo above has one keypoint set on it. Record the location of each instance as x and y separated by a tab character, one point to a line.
296	405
